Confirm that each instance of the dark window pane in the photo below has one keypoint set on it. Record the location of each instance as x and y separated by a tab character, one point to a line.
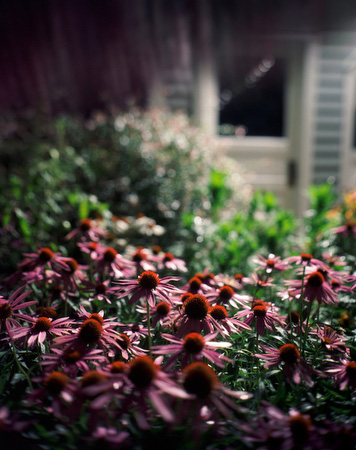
253	102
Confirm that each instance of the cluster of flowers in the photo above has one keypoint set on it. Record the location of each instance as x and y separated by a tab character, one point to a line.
91	361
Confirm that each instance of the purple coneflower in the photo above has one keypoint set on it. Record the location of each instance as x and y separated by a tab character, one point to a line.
169	261
344	373
200	381
99	290
305	259
8	307
86	231
148	286
223	323
45	257
315	287
41	329
192	346
72	361
194	316
348	229
271	263
262	315
225	295
110	263
331	340
272	429
70	276
128	346
294	367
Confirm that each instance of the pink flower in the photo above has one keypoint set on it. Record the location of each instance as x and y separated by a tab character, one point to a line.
305	259
348	229
71	275
225	295
45	257
169	261
192	346
344	373
72	361
8	307
110	263
128	346
150	385
315	287
272	428
272	263
200	381
331	340
99	290
194	316
263	317
294	367
86	231
224	323
94	331
148	286
42	328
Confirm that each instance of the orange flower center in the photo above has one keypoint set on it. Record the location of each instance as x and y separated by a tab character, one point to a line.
124	341
71	356
225	293
110	255
90	331
270	263
142	371
199	379
98	317
163	309
193	343
44	311
196	307
45	255
73	265
168	257
351	371
218	312
327	340
85	225
55	382
289	353
42	324
295	317
119	367
5	311
139	256
156	249
194	284
92	246
148	280
299	426
92	377
259	311
335	284
315	279
239	277
306	257
100	288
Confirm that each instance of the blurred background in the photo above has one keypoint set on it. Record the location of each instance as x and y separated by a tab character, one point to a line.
172	109
273	81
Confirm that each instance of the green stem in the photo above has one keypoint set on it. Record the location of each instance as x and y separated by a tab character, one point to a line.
306	327
19	365
301	300
149	329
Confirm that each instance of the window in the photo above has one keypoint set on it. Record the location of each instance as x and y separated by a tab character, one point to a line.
252	98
